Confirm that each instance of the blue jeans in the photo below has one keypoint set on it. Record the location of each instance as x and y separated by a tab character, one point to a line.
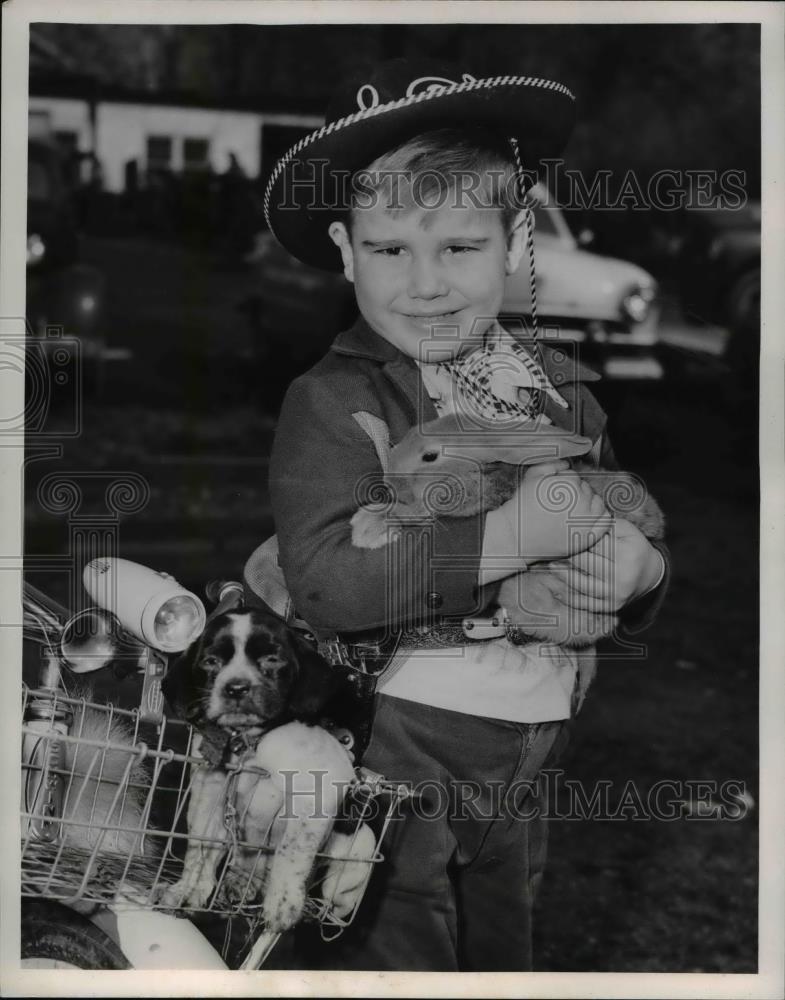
462	865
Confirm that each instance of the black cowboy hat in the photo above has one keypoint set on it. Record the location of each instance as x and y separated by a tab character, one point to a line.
368	116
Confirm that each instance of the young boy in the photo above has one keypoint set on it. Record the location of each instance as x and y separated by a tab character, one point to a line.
420	205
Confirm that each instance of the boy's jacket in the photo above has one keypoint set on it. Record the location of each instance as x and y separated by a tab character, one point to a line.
324	466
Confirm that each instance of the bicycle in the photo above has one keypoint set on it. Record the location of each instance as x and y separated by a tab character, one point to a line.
105	792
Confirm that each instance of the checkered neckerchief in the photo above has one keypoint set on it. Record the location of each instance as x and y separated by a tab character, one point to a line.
502	365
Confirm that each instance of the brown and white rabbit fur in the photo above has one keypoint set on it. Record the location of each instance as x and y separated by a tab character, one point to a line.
443	468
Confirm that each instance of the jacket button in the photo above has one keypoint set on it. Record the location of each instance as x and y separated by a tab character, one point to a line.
434	600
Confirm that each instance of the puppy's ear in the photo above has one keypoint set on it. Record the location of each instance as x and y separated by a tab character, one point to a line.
315	683
179	685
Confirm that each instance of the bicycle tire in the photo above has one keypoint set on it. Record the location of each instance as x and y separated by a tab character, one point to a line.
55	936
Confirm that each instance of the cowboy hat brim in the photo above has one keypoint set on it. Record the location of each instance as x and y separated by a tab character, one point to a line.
307	189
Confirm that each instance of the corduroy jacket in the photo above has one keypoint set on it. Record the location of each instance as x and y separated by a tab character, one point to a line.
323	464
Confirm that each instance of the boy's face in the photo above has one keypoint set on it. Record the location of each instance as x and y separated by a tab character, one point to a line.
429	280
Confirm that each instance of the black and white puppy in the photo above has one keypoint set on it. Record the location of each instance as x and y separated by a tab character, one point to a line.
248	669
250	674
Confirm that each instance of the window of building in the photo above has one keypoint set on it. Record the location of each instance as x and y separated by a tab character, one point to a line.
196	154
159	152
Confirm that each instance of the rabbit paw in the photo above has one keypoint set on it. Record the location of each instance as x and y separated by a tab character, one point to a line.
626	496
539	609
370	529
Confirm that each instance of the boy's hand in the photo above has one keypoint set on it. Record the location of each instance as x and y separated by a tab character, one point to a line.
554	513
623	565
534	603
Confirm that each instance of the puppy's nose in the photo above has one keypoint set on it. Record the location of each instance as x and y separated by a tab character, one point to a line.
236	689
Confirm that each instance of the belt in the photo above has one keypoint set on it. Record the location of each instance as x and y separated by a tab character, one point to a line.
369	653
363	657
463	632
440	635
447	632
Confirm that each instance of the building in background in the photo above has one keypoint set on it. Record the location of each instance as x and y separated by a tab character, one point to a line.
137	136
130	134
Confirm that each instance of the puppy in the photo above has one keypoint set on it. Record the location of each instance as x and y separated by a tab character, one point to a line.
250	675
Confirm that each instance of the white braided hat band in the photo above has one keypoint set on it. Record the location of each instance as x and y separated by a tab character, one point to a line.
402	98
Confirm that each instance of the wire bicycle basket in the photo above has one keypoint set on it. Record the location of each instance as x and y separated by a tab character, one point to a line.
103	814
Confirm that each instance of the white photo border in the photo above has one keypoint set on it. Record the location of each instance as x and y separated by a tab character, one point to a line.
17	15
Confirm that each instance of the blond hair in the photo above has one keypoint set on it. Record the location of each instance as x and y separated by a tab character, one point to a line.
471	168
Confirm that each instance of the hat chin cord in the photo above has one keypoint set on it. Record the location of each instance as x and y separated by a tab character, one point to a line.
529	209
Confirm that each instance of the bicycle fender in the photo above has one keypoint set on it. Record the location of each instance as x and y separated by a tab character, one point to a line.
150	939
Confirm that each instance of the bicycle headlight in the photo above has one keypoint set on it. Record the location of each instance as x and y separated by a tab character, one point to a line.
178	621
152	606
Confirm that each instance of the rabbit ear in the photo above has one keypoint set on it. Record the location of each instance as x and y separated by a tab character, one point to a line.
528	444
517	448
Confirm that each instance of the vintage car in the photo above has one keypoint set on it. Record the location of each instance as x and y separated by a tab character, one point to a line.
609	307
718	265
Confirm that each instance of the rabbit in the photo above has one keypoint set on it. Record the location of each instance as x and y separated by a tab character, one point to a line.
443	468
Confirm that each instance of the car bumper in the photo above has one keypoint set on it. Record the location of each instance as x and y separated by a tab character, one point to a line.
615	351
645	366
